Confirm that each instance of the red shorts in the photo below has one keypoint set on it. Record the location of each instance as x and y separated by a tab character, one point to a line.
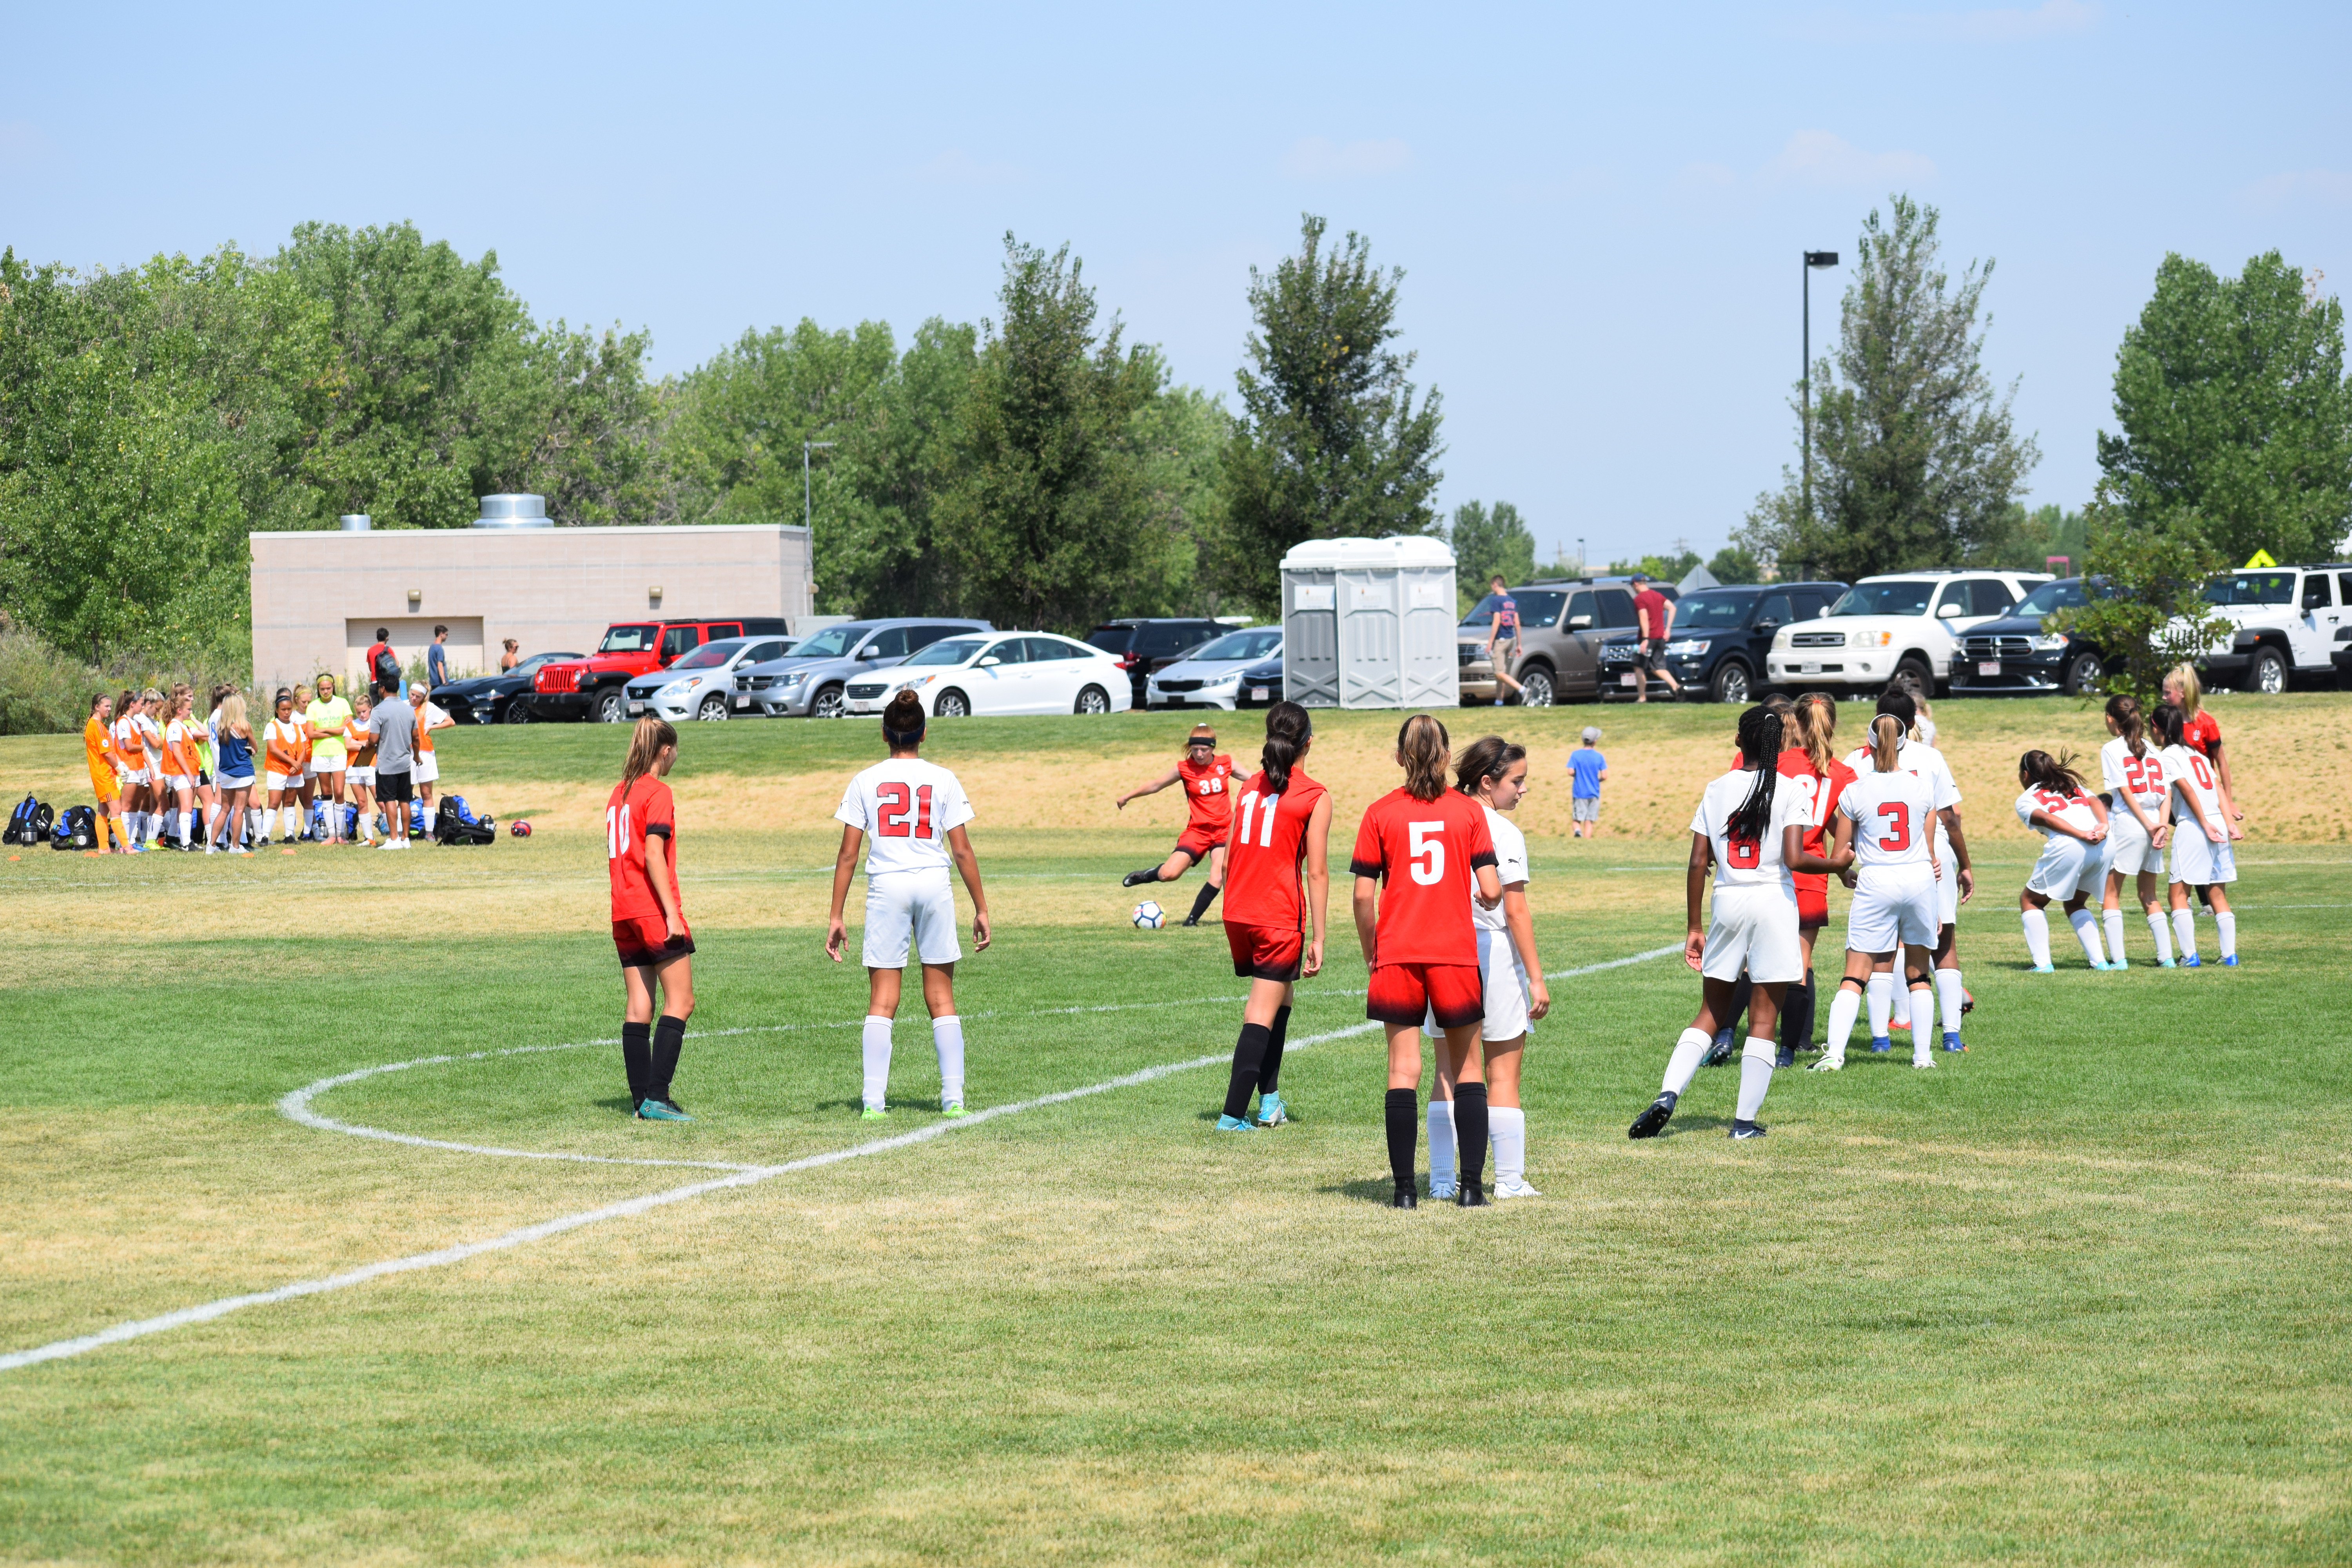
1198	841
1266	953
1813	899
1409	993
643	940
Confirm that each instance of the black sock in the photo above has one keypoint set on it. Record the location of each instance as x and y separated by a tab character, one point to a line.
1269	1073
1404	1133
1470	1132
1248	1053
1201	901
1797	1016
1741	990
637	1058
670	1034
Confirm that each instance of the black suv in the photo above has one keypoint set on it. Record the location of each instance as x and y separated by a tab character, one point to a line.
1720	636
1144	646
2015	654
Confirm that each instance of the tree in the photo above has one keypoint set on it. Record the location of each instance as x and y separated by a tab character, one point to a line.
1914	463
1664	568
1735	564
1489	542
1329	441
1048	514
2146	606
2237	420
877	545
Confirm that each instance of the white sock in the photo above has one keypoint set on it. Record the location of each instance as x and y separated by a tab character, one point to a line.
2086	931
947	1038
1898	1001
2228	925
2184	930
1882	992
1952	993
2161	929
2114	921
1755	1075
876	1041
1922	1036
1441	1142
1688	1052
269	822
2037	936
1506	1129
188	825
1844	1007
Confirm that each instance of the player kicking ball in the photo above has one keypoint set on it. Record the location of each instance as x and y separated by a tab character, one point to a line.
1205	773
913	812
1286	822
648	922
1751	830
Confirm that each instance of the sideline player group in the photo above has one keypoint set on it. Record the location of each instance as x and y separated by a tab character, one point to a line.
1441	915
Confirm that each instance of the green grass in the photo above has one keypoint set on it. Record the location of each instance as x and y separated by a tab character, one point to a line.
2075	1297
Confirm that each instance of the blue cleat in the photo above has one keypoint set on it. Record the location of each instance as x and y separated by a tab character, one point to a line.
1952	1041
660	1111
2166	963
2228	961
1271	1111
2044	969
1234	1124
2191	962
1881	1046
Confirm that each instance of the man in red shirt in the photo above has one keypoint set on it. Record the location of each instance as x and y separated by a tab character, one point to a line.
1655	614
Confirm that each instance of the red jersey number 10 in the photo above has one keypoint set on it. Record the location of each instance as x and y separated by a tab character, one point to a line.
893	821
1898	827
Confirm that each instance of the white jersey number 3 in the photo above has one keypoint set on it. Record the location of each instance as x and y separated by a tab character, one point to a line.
1428	852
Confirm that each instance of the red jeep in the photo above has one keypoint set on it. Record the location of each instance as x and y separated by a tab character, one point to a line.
591	688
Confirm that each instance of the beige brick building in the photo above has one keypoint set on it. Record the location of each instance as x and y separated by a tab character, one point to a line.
319	596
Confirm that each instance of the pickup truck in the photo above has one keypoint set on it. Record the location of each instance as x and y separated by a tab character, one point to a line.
593	688
2289	623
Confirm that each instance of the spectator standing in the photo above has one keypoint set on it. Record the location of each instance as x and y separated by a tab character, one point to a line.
1656	615
429	717
392	723
511	657
382	664
1588	769
1503	636
436	658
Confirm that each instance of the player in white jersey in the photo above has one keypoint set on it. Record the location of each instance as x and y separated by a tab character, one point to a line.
2072	823
2202	857
1494	773
912	813
1750	827
2137	827
1886	845
1889	1005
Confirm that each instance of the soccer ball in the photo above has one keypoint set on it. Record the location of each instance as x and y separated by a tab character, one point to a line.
520	828
1150	916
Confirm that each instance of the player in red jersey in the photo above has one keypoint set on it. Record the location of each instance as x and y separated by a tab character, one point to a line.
648	924
1418	848
1285	820
1810	761
1204	772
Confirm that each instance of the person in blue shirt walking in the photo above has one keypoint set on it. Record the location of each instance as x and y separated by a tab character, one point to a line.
1587	769
436	658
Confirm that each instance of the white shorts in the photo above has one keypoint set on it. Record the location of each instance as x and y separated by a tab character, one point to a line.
2130	850
135	776
1756	927
1504	980
1893	906
177	782
1947	886
2199	862
427	770
910	908
360	776
2068	867
322	766
283	781
236	781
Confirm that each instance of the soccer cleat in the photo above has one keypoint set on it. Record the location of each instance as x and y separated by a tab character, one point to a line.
1830	1063
873	1113
1515	1190
2166	963
1748	1129
1718	1053
2045	968
1402	1198
1786	1056
1439	1192
660	1111
1923	1061
1469	1196
2191	962
1137	878
1901	1024
1271	1111
1234	1124
2228	961
1652	1122
1968	1002
1187	921
1880	1044
1952	1041
953	1107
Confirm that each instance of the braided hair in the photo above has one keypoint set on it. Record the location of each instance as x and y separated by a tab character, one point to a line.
1760	748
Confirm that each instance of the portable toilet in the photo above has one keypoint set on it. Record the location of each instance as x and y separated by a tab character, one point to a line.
1368	623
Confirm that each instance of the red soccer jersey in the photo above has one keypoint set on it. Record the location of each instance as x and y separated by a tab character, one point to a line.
1796	765
2201	733
1262	861
633	812
1205	791
1427	853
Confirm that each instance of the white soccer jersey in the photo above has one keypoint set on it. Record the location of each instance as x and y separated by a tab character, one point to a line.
906	807
2189	770
1893	815
2143	778
2074	810
1915	757
1742	864
1511	865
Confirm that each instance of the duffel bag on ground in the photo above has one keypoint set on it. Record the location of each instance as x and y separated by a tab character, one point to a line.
77	829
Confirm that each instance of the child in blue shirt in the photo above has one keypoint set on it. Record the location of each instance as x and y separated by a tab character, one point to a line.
1588	768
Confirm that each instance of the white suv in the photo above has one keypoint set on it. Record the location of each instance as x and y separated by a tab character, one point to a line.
1903	623
2286	622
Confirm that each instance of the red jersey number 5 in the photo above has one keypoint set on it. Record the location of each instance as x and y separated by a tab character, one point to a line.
1428	852
1898	827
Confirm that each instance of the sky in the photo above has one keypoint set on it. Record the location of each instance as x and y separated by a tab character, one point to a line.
1600	211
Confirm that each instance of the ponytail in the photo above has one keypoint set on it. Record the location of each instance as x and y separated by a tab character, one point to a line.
1816	718
646	745
1759	749
1422	748
1885	740
1288	732
2191	692
2057	774
1488	757
2124	708
2169	722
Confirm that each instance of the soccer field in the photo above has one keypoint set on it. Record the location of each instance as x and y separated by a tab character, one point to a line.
2076	1296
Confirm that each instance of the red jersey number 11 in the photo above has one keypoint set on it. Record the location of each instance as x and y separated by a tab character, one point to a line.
1265	834
893	820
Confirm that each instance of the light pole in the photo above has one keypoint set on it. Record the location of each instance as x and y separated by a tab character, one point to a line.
808	509
1579	555
1813	258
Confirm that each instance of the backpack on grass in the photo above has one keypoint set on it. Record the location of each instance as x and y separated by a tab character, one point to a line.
29	823
454	822
77	829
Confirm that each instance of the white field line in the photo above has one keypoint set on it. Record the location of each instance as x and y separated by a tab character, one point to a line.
297	1106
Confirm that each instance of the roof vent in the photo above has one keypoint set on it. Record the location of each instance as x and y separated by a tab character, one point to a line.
356	521
514	512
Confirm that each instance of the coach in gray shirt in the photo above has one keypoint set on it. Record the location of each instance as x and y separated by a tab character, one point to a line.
393	724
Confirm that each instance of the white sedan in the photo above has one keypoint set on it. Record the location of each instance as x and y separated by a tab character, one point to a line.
1023	672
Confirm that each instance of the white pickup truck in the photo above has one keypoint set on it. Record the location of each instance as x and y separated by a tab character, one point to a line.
2290	623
